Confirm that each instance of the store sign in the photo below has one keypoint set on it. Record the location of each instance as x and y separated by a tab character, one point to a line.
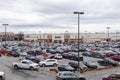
57	36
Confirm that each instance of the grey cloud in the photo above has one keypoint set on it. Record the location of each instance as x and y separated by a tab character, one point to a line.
59	14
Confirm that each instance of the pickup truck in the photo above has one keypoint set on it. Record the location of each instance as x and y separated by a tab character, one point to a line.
2	75
25	64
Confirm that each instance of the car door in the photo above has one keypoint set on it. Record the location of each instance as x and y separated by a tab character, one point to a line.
25	65
71	76
50	62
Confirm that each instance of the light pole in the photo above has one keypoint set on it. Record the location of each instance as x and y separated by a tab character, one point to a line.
78	13
66	37
117	35
108	35
39	37
5	32
86	36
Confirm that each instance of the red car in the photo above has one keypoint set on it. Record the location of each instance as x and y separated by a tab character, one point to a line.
3	51
115	76
115	57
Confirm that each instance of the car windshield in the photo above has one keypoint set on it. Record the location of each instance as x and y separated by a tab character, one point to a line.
110	60
67	66
115	76
69	74
81	64
30	62
89	62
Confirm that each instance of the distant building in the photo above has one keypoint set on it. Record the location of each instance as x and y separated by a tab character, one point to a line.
9	36
62	38
72	37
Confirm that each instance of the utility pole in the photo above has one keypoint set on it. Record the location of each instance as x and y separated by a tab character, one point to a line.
5	32
78	13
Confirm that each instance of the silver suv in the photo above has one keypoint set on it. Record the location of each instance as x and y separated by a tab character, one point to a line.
48	62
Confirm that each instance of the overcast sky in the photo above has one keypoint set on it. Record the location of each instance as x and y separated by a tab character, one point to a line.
56	16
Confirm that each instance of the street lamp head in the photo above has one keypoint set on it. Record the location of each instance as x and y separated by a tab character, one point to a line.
78	12
4	24
108	27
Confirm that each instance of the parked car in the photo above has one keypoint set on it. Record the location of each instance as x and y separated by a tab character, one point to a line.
90	64
23	53
74	56
37	59
30	57
2	75
25	64
65	55
115	76
86	53
67	75
110	53
15	54
115	57
81	66
2	50
0	55
65	68
97	54
48	62
107	62
58	56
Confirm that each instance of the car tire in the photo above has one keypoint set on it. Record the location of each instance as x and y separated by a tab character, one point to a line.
0	77
82	79
31	68
55	64
43	65
15	67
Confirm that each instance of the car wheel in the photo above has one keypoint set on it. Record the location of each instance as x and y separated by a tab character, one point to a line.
55	64
15	67
82	79
43	65
31	68
0	77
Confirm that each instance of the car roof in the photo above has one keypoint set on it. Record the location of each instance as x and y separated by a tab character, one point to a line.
51	59
65	72
1	73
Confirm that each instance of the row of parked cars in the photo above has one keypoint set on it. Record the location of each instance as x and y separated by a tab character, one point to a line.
28	64
73	66
36	57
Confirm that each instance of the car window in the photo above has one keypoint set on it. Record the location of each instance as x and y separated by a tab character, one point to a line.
69	74
24	62
59	74
51	61
112	76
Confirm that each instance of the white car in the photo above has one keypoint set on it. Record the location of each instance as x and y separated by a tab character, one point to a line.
25	64
58	56
48	62
2	75
23	53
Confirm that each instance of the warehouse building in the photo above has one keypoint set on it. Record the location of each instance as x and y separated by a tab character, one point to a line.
72	37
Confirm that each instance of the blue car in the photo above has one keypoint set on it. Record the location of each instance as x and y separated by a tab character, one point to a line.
86	54
29	57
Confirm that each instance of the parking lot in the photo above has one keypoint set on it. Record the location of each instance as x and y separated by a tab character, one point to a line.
15	51
11	74
44	73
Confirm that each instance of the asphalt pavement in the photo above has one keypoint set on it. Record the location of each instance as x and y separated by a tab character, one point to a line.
44	73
